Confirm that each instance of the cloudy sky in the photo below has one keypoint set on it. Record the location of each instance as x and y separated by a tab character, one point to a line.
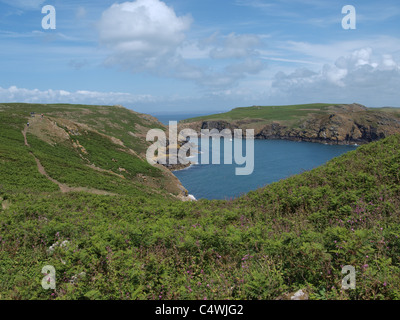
199	56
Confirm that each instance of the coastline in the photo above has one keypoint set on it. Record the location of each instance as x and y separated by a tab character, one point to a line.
187	167
321	141
347	124
181	167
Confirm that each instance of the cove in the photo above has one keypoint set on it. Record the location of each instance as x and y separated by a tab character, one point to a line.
273	160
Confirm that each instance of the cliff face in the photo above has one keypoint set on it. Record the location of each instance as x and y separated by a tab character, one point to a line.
335	129
341	124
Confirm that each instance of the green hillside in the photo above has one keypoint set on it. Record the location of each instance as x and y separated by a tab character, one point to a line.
266	112
99	147
284	113
110	234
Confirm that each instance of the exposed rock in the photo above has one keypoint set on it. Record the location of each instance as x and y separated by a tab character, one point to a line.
189	197
53	247
77	277
341	124
299	295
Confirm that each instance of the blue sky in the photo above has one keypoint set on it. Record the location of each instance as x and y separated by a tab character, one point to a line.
199	56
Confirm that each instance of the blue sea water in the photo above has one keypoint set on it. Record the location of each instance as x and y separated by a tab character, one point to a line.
273	160
164	118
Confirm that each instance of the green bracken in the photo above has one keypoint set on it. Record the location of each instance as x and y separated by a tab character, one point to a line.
142	243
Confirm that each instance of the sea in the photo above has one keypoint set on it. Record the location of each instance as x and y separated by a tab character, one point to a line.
164	118
273	160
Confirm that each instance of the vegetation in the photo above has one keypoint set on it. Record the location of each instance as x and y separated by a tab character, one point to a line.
323	123
266	112
143	243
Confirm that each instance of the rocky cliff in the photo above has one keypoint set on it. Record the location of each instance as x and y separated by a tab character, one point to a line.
338	124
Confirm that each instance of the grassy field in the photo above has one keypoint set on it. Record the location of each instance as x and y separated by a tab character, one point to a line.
142	243
111	120
291	112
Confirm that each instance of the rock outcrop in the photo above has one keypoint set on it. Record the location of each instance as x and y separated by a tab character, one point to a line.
340	124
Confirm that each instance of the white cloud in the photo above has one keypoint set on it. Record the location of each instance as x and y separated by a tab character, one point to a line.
193	50
297	61
222	78
328	52
217	46
388	62
148	36
360	76
15	94
142	35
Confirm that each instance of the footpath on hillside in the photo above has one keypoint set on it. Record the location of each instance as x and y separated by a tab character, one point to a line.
63	187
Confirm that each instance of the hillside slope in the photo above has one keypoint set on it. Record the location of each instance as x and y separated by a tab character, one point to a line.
324	123
75	146
134	241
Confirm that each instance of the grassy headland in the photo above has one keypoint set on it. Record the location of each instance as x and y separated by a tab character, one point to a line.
324	123
281	113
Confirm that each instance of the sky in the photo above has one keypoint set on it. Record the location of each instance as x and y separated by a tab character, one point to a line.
200	56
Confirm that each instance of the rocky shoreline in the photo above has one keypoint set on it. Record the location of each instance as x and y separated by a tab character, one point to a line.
352	124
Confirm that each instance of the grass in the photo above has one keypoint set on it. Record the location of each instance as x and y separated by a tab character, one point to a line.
143	244
111	120
266	112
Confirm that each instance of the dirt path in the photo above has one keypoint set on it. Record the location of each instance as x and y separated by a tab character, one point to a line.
63	187
24	134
